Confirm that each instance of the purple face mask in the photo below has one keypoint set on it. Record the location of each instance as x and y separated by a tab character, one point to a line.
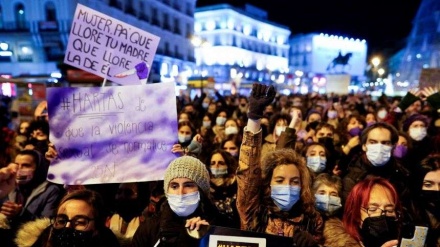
400	151
355	131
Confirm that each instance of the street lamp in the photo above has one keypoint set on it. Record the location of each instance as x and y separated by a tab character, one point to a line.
198	43
375	61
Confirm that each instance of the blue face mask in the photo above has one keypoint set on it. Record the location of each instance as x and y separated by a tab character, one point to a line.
285	196
327	203
316	163
184	205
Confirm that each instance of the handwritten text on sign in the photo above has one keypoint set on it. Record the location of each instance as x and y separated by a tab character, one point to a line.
106	46
111	134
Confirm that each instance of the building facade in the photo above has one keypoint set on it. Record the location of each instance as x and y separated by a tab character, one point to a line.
240	46
422	50
314	57
34	34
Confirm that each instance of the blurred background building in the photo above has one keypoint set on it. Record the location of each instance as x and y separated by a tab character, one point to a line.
218	46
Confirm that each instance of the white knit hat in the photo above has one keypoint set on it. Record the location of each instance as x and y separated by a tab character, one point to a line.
188	167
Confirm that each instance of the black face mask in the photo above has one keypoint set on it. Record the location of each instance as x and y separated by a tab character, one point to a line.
127	209
376	231
431	200
69	237
328	142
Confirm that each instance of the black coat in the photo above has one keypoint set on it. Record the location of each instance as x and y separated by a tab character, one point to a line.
169	228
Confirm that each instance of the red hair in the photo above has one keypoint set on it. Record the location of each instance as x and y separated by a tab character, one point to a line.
359	197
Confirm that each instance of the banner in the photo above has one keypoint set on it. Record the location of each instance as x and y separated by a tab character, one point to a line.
112	134
106	47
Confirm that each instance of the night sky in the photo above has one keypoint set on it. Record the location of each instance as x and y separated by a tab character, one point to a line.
384	24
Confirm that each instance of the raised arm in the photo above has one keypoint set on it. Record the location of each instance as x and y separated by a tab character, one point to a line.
249	170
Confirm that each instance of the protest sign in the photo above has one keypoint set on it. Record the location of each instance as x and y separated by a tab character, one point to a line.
111	134
106	47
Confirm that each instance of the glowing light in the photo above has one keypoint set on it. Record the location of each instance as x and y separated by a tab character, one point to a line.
247	29
4	46
210	25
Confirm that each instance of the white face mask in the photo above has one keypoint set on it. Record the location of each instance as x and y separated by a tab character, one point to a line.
332	114
219	172
207	124
382	114
285	196
328	203
24	176
417	133
220	121
378	154
184	138
231	130
279	129
316	163
184	205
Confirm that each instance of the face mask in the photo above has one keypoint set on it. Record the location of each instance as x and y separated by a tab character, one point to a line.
205	105
417	133
184	205
297	103
370	123
219	172
207	124
316	163
182	120
279	129
69	237
220	121
24	176
400	151
378	154
356	131
332	114
231	130
126	208
234	153
328	142
431	200
382	114
376	231
327	203
285	196
183	138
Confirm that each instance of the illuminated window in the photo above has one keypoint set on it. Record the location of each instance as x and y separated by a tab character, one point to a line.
20	19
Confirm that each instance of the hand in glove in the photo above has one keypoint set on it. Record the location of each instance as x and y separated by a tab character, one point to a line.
261	96
304	239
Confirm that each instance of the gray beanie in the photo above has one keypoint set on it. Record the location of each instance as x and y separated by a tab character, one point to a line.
188	167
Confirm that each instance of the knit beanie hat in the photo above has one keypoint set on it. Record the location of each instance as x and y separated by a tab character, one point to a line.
411	119
188	167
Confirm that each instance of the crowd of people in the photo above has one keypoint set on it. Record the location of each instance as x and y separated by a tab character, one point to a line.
320	170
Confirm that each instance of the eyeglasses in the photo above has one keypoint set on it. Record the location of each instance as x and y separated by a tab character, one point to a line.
79	222
376	211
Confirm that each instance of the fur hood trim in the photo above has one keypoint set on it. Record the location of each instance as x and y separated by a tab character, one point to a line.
4	222
336	236
29	232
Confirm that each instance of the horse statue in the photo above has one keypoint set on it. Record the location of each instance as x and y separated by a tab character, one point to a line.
340	60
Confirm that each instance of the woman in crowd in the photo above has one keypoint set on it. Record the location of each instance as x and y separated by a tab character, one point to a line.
79	221
186	185
185	133
371	216
222	167
278	123
316	158
280	201
219	127
425	208
232	145
127	216
327	190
